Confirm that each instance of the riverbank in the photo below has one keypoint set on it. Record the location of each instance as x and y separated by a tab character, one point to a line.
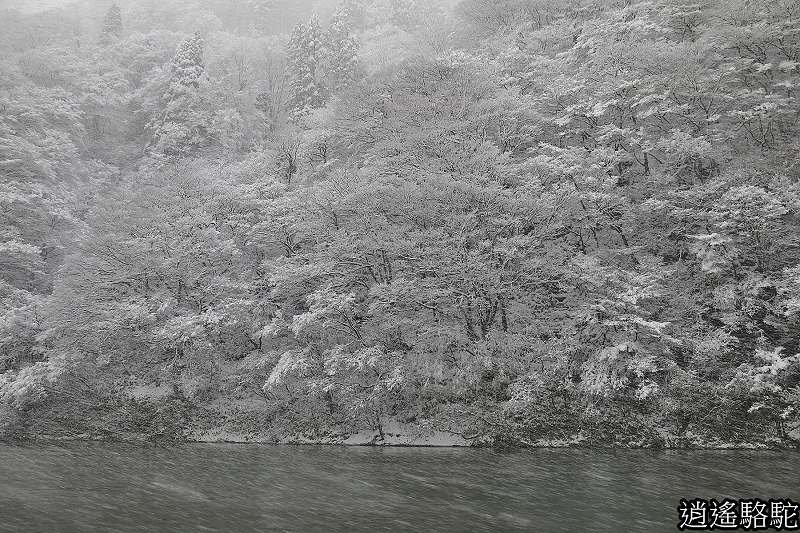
176	420
363	439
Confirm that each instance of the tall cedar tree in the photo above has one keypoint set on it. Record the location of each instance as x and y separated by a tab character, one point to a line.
183	125
112	26
342	52
305	54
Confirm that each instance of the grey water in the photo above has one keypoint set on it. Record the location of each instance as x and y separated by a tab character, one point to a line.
94	487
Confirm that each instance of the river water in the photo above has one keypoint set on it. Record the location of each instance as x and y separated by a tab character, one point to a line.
88	487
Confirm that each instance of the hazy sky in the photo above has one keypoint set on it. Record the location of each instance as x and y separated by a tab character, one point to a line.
32	6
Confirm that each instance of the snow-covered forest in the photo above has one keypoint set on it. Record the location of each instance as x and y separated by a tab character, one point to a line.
515	222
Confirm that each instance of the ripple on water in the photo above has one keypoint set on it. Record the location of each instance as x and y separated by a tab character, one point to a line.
88	487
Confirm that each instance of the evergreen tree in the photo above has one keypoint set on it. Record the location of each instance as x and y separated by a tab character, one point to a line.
187	66
112	26
183	125
342	51
353	13
304	67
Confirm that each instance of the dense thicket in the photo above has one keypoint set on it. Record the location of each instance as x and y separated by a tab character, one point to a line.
518	221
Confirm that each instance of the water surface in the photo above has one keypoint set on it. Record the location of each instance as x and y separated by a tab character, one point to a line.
92	487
